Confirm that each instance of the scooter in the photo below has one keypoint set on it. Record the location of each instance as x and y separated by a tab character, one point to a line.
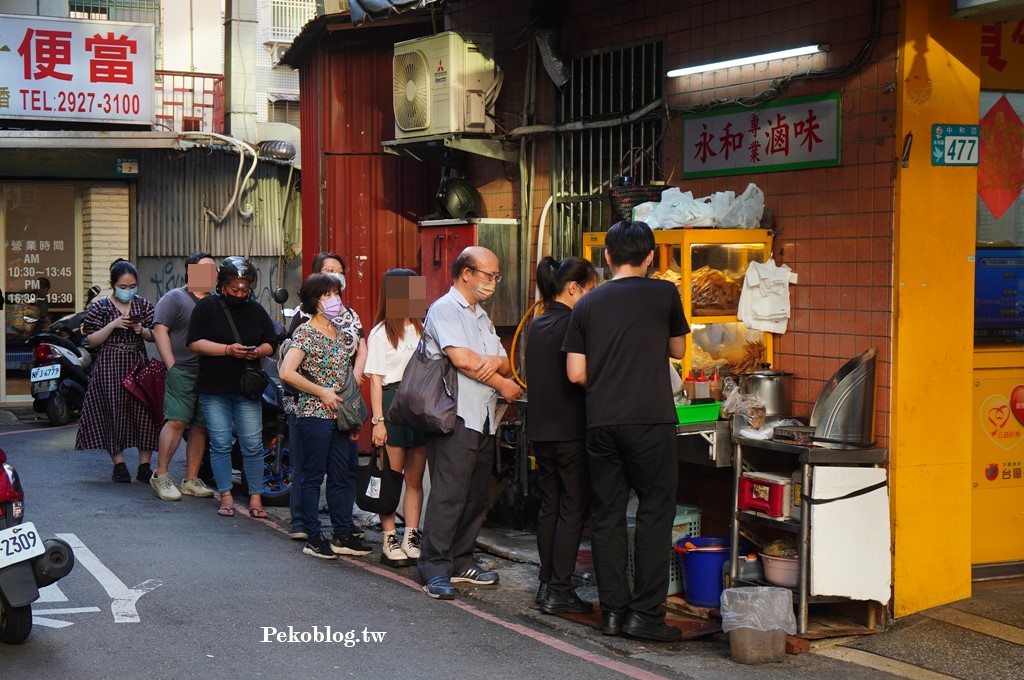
27	562
60	367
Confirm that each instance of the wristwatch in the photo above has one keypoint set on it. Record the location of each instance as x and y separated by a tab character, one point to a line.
376	420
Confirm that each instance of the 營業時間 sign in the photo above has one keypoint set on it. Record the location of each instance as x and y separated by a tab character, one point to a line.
786	135
75	69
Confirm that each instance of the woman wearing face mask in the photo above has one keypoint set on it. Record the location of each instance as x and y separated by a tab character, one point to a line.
318	365
557	428
354	345
111	419
223	357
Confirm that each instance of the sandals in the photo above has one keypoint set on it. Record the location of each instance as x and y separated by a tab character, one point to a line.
226	512
258	513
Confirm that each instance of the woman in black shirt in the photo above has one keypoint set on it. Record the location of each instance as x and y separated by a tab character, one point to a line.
557	428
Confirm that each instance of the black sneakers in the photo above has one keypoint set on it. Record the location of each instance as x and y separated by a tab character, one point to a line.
565	603
121	474
144	473
350	546
319	546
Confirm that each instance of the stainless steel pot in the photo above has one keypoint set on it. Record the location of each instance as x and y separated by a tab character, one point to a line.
773	388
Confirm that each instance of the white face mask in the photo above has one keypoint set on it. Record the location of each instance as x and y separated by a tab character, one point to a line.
340	278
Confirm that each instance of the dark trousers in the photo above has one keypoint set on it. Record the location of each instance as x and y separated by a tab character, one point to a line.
295	458
563	482
641	457
325	450
460	469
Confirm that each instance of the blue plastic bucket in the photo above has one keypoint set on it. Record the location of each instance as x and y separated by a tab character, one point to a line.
702	571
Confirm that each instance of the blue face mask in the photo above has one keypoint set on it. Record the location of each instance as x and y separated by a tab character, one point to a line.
125	295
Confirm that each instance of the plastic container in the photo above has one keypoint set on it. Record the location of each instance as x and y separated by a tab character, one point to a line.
757	620
782	571
715	386
702	386
702	571
697	413
685	525
748	570
690	387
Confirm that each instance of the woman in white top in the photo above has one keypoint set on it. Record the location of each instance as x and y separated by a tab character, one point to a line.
397	331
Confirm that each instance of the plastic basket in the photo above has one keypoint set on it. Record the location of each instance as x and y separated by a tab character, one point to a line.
686	523
698	413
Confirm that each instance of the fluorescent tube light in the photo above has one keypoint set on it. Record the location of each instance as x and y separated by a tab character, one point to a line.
783	54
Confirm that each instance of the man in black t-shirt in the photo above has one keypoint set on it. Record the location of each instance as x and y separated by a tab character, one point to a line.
619	341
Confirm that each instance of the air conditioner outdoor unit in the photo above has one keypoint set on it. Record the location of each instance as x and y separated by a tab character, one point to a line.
445	83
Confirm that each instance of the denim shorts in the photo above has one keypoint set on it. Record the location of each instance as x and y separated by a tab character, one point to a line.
181	401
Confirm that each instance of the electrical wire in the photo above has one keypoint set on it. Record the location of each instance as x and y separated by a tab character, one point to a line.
515	340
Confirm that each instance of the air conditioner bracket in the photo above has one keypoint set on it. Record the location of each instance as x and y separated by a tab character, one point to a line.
438	149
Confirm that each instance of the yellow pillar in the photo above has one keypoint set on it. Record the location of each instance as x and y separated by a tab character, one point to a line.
933	302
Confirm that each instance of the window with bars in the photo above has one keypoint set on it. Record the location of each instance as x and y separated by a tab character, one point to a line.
283	111
135	11
604	85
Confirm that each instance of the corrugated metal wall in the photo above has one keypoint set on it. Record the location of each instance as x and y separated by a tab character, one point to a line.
173	189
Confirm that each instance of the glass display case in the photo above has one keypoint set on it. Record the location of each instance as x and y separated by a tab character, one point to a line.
707	266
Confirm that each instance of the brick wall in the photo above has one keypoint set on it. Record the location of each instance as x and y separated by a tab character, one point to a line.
834	225
104	231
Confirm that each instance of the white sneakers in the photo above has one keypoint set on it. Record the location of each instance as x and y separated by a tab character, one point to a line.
195	487
166	491
164	487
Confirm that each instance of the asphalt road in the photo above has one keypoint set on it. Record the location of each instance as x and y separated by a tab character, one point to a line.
170	590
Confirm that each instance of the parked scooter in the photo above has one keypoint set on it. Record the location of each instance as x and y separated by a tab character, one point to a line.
27	562
60	367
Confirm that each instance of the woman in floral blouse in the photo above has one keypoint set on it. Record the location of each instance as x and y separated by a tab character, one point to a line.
318	364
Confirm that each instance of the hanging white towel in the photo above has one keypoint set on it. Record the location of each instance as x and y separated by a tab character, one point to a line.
764	299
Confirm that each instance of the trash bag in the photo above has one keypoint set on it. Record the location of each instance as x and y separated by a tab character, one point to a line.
745	211
759	608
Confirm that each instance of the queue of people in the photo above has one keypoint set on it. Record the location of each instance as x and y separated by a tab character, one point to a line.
601	420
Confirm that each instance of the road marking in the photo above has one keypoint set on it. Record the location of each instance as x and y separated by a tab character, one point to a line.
36	429
38	619
978	624
52	593
542	638
124	598
881	663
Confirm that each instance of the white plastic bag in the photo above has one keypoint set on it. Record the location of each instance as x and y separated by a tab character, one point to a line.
745	211
758	607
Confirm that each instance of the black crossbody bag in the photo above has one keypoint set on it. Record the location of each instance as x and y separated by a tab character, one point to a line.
254	379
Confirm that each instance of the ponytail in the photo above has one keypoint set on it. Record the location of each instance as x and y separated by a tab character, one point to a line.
554	275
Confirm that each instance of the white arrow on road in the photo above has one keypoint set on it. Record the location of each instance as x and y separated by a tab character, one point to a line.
124	598
57	623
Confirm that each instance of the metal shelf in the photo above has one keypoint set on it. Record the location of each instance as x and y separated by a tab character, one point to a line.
783	524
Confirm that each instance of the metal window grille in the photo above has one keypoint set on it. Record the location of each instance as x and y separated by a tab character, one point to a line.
190	102
282	20
604	84
283	111
135	11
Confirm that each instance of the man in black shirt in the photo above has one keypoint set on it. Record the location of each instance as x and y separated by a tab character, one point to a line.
619	341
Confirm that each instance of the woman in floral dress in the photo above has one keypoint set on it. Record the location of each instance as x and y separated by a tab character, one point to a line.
112	419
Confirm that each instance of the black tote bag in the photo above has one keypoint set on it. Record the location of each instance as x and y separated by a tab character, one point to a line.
379	489
427	397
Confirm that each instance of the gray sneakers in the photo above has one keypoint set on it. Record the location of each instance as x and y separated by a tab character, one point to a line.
164	487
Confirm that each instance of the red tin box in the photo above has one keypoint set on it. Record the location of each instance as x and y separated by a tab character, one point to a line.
766	493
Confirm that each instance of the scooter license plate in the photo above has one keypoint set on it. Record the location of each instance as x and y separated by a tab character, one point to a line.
20	543
44	373
43	386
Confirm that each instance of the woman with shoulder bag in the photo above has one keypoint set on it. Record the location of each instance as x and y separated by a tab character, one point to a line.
318	365
112	419
396	333
231	333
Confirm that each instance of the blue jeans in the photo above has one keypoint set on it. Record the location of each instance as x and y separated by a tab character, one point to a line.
232	413
295	458
325	450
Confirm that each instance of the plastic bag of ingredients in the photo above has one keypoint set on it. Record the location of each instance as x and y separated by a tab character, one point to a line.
745	211
758	607
745	406
680	209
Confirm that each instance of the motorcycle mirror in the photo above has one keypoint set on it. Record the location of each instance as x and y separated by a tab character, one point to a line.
93	292
280	296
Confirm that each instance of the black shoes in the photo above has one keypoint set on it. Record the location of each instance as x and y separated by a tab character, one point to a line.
636	626
612	622
144	473
121	474
542	592
565	603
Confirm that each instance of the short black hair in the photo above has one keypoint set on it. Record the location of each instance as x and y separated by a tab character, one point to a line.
318	261
629	243
313	287
463	261
196	256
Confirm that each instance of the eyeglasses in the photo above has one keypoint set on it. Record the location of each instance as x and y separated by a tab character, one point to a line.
491	276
